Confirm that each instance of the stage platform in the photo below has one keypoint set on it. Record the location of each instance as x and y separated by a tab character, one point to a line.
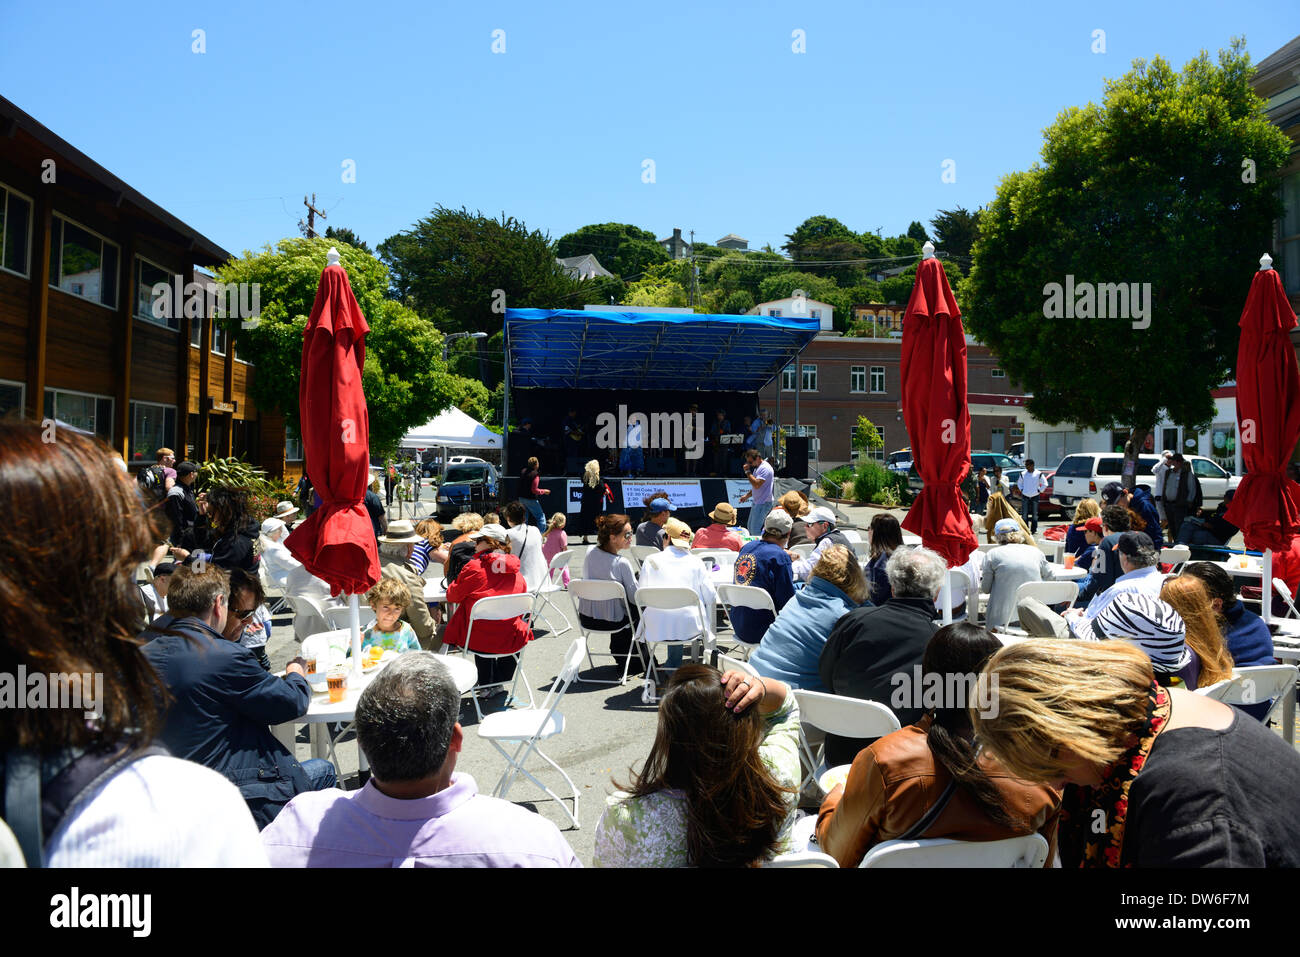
694	496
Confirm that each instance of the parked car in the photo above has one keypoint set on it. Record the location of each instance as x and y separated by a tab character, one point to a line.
899	461
1085	474
467	487
1017	452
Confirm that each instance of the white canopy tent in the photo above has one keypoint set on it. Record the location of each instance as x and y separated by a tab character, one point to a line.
453	429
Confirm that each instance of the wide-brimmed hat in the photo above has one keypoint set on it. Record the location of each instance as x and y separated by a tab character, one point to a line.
795	504
678	532
285	509
400	532
723	513
494	532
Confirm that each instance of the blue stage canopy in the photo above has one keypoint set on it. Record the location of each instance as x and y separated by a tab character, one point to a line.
586	349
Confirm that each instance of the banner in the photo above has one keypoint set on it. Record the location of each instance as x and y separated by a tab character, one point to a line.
682	493
737	488
574	496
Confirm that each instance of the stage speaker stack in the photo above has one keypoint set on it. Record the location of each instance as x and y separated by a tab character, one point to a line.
796	458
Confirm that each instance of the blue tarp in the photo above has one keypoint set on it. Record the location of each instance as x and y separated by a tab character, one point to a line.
586	349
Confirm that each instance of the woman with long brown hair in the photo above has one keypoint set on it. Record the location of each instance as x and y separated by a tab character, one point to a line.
928	779
720	785
1188	596
69	609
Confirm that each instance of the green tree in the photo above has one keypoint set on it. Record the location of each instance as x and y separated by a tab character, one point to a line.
784	284
917	232
404	379
343	234
624	250
738	303
955	230
1146	188
472	266
866	436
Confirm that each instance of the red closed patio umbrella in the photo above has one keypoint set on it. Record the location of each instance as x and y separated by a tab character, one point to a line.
936	414
1266	506
337	541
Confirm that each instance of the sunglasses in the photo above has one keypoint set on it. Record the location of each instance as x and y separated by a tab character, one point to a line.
627	534
243	615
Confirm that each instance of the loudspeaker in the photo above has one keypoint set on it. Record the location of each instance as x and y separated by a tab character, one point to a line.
796	457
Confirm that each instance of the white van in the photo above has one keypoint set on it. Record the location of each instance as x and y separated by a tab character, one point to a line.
1085	474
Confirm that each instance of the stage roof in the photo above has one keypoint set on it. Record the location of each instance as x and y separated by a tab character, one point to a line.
585	349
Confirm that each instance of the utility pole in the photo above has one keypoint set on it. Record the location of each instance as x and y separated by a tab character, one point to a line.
312	212
690	298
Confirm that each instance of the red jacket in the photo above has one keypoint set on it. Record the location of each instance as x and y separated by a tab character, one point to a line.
1286	566
487	573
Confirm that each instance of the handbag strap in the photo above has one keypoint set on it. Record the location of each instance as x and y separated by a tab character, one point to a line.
929	817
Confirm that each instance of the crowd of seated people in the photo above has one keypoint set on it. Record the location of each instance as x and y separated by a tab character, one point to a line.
720	783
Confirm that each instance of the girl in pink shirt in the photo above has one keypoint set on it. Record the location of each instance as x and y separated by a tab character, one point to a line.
554	541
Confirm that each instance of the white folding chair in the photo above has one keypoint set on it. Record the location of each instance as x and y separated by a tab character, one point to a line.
718	554
863	550
725	664
642	552
802	859
553	582
957	579
1252	685
665	599
308	616
527	728
1284	593
1176	555
1049	593
498	608
274	593
1030	850
841	716
852	534
803	551
342	617
144	573
745	596
586	589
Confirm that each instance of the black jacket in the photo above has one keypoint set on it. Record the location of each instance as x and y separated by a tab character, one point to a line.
222	704
181	509
866	648
235	548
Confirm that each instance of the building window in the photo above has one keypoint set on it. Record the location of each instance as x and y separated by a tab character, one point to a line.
787	379
196	332
12	396
877	378
235	351
774	312
83	263
15	231
1288	228
91	413
858	379
147	275
153	427
292	445
810	378
997	374
817	314
220	339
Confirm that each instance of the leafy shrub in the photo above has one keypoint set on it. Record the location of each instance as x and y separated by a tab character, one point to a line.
875	483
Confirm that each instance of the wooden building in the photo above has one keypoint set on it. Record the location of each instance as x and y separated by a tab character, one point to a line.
84	339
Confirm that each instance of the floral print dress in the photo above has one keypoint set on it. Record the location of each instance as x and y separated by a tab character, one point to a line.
650	831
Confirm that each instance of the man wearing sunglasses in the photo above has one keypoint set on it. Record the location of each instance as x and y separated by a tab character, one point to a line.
247	622
221	700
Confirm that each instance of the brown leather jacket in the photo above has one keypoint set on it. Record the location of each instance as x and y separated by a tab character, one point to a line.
896	780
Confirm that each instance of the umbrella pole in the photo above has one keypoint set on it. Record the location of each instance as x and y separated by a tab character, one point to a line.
1266	600
354	625
945	595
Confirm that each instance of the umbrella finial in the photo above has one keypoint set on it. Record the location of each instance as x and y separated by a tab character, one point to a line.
1265	262
331	257
927	251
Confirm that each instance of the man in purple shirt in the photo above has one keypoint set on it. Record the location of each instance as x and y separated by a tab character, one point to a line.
763	479
415	811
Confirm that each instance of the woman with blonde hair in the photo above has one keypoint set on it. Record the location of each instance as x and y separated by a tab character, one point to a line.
1090	714
461	548
1188	597
1086	509
998	509
593	500
792	645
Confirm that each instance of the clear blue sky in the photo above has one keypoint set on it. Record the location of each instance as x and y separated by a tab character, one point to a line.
746	135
